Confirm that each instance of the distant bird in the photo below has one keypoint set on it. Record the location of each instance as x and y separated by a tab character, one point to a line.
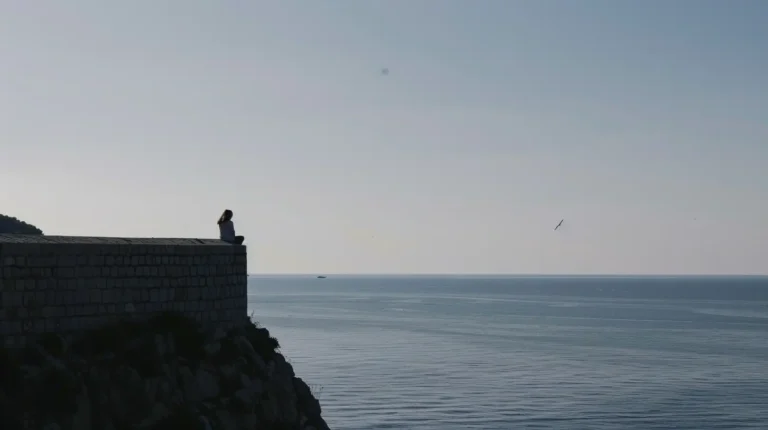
559	224
385	71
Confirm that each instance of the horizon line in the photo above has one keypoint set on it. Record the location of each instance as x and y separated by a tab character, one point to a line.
529	275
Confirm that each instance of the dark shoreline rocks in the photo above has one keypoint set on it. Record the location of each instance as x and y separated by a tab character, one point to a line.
165	373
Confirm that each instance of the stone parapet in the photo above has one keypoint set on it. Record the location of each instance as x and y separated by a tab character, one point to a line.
64	284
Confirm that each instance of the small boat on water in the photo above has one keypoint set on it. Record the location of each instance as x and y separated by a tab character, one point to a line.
321	277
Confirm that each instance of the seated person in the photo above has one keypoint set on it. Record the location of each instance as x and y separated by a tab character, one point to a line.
227	229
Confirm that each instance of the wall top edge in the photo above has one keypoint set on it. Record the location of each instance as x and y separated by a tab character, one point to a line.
84	240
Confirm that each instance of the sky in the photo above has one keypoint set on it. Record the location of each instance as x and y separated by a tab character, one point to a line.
642	123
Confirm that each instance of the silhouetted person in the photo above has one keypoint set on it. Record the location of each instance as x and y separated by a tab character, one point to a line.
227	229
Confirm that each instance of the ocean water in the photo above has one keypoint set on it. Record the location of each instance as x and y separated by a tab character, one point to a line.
525	352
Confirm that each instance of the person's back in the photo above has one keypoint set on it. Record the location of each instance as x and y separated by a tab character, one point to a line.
227	229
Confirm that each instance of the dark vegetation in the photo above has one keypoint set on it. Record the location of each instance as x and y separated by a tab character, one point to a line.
130	340
123	338
130	343
9	224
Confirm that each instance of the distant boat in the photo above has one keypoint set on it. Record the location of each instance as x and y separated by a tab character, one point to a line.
321	277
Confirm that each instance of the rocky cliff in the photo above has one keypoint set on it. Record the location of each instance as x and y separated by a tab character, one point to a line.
165	373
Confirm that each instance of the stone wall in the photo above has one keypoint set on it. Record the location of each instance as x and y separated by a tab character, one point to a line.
65	284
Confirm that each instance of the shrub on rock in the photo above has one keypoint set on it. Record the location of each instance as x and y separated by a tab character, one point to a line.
13	225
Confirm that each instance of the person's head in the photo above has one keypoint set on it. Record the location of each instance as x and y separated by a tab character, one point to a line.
226	216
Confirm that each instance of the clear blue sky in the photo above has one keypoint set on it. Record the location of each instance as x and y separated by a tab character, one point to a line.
643	123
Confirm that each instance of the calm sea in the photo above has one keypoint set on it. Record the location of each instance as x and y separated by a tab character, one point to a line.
512	353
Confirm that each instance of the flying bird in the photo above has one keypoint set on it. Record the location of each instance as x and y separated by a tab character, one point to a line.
559	224
385	71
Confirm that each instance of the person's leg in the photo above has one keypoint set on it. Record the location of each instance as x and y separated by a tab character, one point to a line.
239	240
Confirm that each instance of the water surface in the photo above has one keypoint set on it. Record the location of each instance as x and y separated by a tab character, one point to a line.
525	353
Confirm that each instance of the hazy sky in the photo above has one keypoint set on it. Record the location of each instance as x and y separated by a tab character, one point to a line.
643	123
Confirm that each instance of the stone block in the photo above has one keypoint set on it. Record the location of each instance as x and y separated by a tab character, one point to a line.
10	249
95	296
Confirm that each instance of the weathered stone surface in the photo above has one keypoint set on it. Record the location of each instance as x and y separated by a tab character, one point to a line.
133	382
62	284
207	384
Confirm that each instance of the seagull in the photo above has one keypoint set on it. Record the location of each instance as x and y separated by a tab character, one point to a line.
559	224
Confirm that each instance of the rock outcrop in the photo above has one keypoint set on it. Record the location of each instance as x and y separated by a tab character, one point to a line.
165	373
12	225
